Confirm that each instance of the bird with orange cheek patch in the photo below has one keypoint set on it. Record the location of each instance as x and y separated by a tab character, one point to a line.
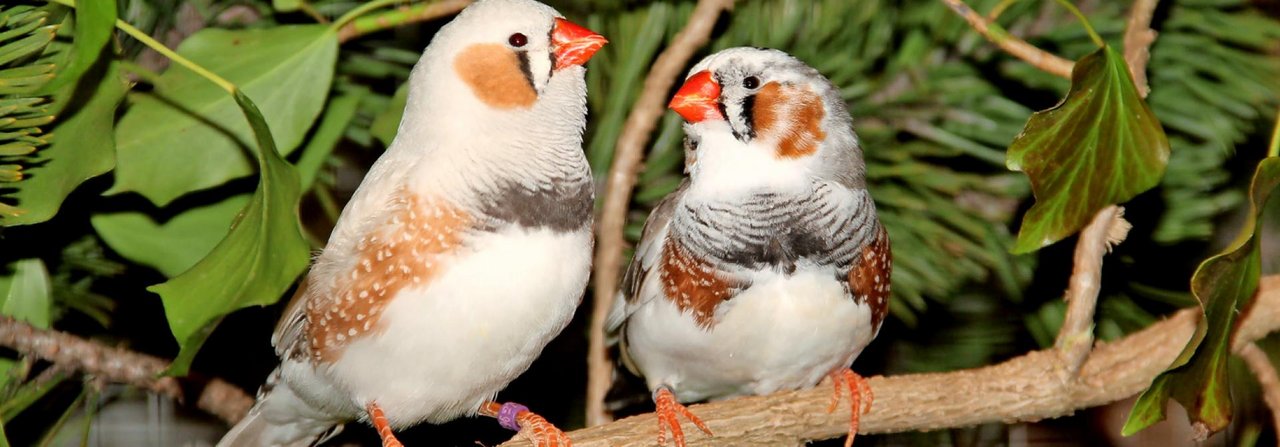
768	269
462	254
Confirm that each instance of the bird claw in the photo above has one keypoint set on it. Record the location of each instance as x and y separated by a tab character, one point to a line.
668	411
540	432
858	386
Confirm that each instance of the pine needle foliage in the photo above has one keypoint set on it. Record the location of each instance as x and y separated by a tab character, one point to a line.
25	32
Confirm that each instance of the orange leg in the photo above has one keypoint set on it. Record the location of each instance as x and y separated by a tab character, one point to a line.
857	387
384	428
669	410
533	427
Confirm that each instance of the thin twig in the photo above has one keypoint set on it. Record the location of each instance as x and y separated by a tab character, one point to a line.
1045	61
1138	37
1032	387
1075	338
72	353
421	12
622	178
1260	364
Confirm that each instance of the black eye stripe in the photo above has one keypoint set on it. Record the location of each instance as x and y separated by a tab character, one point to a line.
523	57
748	115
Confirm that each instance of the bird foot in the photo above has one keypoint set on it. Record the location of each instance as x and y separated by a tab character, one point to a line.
379	420
857	387
669	410
535	428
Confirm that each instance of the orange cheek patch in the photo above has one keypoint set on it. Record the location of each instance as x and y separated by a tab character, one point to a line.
792	116
692	283
409	251
493	72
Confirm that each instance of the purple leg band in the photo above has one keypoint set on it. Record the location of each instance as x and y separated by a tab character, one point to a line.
507	415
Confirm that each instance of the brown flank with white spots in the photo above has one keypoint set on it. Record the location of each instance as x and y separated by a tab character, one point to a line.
493	72
790	115
693	284
869	277
408	251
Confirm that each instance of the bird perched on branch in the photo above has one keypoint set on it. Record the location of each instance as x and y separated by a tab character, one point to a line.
462	254
768	268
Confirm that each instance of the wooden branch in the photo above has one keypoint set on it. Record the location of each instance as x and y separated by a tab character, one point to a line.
621	179
72	353
421	12
1044	60
1138	37
1035	386
1075	338
1265	372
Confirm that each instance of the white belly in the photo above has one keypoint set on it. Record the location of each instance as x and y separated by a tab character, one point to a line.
454	343
782	333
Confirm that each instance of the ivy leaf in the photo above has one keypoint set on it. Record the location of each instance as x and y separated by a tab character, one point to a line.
253	265
95	19
1099	146
170	245
189	135
1198	377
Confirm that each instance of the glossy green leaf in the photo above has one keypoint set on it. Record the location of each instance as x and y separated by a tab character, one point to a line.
95	20
1099	146
286	5
339	113
387	123
170	245
253	265
1197	379
79	148
24	292
189	135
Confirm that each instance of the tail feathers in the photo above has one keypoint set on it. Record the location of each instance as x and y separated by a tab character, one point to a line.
280	419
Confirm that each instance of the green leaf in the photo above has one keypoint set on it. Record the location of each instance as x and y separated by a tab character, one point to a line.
169	245
1198	377
286	5
1099	146
79	149
24	292
189	135
95	20
387	123
257	261
337	116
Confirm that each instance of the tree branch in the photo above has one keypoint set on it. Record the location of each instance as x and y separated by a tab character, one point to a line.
421	12
1138	37
621	179
1035	386
72	353
1075	338
1044	60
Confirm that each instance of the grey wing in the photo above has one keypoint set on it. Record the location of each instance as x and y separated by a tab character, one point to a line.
648	251
287	337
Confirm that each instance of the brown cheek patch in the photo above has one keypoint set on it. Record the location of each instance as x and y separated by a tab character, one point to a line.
493	72
693	284
410	251
792	116
869	277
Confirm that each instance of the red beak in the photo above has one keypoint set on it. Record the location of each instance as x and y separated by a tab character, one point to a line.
573	44
698	99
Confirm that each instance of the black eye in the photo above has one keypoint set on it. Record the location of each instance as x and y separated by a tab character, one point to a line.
751	82
517	40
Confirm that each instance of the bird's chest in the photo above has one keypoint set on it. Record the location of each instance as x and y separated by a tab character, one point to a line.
781	332
766	230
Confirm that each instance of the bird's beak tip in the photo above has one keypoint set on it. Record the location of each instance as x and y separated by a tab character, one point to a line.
574	44
697	99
